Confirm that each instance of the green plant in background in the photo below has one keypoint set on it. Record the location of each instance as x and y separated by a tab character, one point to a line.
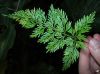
7	37
56	31
7	31
6	42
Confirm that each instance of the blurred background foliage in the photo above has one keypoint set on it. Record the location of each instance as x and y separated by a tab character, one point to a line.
21	55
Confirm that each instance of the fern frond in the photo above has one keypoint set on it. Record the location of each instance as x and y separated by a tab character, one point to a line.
55	30
29	18
46	37
80	37
80	44
57	18
68	54
37	32
55	45
84	25
69	41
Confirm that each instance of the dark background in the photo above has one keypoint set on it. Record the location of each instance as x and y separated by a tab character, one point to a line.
29	57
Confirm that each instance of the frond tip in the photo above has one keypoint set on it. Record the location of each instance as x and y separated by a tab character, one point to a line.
29	18
70	56
84	25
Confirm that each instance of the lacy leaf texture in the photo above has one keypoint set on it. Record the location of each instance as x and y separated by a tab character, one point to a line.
55	30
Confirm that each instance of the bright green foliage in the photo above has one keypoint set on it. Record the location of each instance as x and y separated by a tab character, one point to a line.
29	18
70	53
56	31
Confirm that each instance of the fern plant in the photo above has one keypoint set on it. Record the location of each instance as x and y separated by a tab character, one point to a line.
55	30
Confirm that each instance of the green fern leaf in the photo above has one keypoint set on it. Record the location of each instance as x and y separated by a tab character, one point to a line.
69	41
55	45
52	46
68	54
80	44
29	18
46	37
84	25
37	32
55	30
